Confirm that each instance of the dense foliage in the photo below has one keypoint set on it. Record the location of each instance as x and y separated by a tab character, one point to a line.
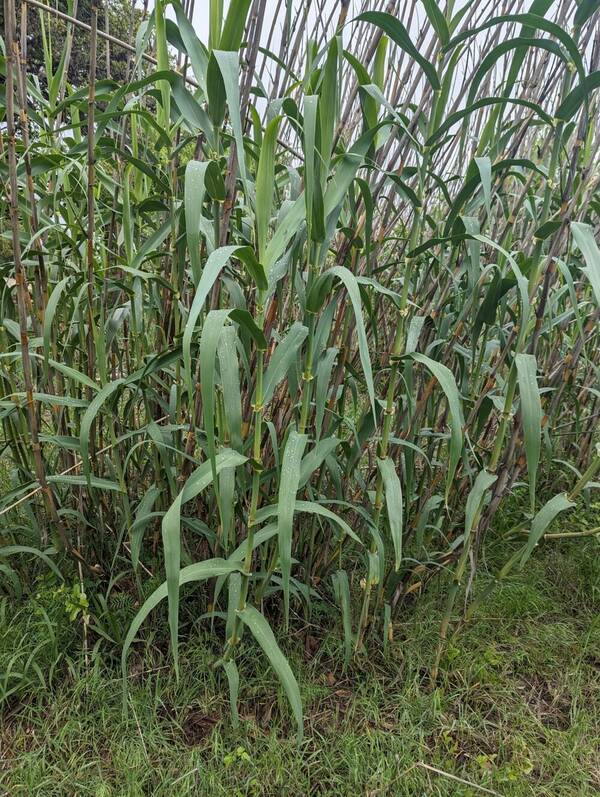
44	37
292	322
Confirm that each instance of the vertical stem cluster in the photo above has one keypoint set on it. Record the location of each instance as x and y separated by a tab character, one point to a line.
21	282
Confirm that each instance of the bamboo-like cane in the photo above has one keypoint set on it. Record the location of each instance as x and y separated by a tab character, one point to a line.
91	179
20	276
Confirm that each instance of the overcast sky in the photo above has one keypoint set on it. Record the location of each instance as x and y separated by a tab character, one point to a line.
200	16
201	10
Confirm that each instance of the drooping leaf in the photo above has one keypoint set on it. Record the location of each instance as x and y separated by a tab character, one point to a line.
263	634
398	34
198	481
482	484
584	238
447	382
197	572
542	520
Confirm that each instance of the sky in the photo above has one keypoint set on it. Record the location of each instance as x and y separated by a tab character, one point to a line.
200	16
201	10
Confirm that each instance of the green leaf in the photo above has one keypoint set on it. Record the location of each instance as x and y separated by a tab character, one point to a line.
286	229
243	318
501	50
451	120
263	634
143	517
328	101
398	34
547	229
11	550
575	99
51	309
311	106
351	285
485	172
445	377
230	382
212	268
162	55
193	114
342	591
152	244
286	502
315	457
215	19
74	375
215	185
324	370
313	508
542	520
198	481
86	424
235	22
393	499
282	358
83	481
215	91
531	411
229	65
211	332
437	19
530	22
253	267
265	188
584	11
584	238
483	482
194	192
233	680
194	47
200	571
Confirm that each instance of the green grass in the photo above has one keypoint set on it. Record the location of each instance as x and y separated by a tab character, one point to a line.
517	710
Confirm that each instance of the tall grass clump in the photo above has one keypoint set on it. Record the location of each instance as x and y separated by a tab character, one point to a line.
289	312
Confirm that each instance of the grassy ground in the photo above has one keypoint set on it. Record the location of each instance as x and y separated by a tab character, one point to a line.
517	710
